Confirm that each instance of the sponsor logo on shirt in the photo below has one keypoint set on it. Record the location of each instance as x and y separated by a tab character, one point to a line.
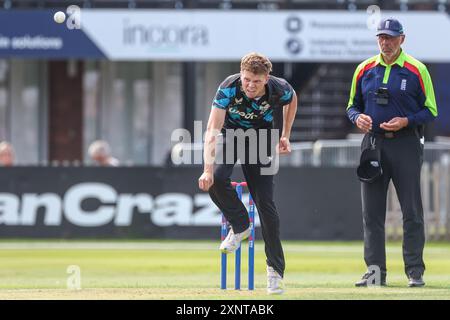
244	115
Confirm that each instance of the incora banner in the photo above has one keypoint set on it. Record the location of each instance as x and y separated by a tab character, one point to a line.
210	35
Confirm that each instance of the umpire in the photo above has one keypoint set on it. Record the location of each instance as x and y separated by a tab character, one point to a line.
391	98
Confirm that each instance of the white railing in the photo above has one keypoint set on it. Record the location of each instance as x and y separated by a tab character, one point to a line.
435	189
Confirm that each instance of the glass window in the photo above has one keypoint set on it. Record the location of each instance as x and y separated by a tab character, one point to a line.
26	111
4	97
117	107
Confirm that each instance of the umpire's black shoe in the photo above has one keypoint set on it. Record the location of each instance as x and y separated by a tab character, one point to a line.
364	282
415	279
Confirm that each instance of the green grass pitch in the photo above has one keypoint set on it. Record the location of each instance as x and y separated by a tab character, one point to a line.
191	270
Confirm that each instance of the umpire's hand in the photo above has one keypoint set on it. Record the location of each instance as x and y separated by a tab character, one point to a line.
364	122
395	124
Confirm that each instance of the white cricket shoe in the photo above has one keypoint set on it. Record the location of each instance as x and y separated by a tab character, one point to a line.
274	282
232	242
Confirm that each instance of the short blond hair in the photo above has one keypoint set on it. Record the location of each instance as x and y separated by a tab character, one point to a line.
99	147
6	146
256	63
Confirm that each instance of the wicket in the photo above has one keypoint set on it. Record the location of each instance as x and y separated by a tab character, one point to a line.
251	246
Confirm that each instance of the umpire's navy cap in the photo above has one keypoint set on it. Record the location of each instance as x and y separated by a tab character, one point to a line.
390	26
369	168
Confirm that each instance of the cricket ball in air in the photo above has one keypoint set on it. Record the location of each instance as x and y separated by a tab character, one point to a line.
59	17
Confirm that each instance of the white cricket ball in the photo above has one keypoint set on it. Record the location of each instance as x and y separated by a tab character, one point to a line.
59	17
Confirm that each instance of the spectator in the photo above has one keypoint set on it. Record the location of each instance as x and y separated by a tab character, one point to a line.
6	154
100	152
